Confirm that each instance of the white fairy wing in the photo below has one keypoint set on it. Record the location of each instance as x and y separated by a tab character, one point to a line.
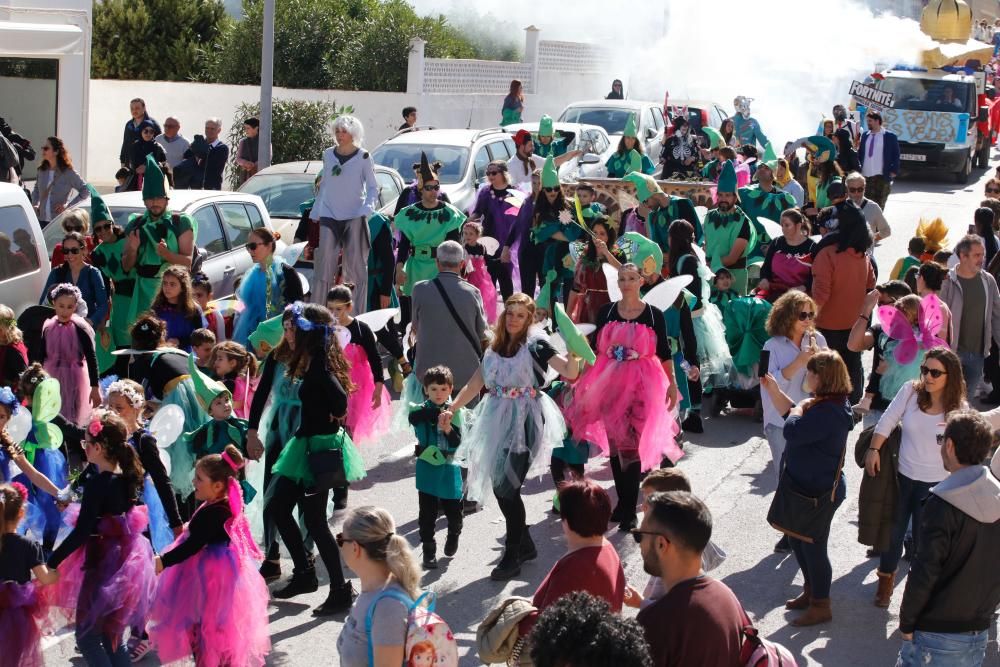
291	253
772	228
167	425
665	294
377	319
490	243
611	274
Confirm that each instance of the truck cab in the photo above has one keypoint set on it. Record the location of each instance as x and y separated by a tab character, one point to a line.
934	114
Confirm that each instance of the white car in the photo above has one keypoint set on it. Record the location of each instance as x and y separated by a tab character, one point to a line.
24	265
225	219
593	140
612	116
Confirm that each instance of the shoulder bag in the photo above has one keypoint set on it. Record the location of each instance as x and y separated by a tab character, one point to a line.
476	345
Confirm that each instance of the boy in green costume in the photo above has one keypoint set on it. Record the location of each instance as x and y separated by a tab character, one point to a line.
663	210
730	237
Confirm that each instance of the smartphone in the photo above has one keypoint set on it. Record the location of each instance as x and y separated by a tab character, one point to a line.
764	363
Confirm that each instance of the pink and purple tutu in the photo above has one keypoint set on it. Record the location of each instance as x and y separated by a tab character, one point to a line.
107	585
480	278
23	617
620	403
213	604
363	422
65	362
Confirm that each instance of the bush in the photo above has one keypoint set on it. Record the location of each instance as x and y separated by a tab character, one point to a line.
298	129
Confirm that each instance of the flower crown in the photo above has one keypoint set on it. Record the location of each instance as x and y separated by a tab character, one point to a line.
63	289
125	389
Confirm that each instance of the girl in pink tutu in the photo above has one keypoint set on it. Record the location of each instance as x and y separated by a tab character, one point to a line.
236	368
369	406
105	564
478	275
67	352
625	402
23	607
211	602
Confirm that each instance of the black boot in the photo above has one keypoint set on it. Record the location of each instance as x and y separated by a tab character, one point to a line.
270	570
340	498
692	423
338	600
618	513
527	551
303	581
451	544
509	566
430	555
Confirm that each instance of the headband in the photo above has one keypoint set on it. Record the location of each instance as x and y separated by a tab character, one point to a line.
22	491
302	322
232	464
62	289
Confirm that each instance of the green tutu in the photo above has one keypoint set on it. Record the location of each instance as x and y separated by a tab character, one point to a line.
293	462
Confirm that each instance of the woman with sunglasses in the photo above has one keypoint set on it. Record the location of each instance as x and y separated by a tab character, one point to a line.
381	557
920	408
788	262
815	432
75	220
494	210
267	286
107	257
86	278
56	182
992	188
423	227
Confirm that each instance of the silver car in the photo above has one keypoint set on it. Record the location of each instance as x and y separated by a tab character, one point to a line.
593	140
612	116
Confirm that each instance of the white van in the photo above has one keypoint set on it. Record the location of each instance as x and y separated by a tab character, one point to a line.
24	264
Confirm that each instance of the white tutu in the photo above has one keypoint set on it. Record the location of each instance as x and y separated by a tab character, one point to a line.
714	358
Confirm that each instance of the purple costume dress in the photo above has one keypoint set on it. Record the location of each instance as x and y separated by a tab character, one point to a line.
498	210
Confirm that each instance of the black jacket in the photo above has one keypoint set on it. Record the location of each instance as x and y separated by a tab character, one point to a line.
954	582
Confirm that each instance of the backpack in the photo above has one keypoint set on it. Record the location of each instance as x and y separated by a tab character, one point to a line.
425	630
759	652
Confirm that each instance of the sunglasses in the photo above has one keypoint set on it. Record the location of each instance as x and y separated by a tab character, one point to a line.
637	535
933	372
855	189
992	191
493	172
555	189
71	251
100	228
73	228
805	315
431	188
341	539
253	245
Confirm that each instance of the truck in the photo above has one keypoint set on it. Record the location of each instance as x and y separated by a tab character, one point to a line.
935	113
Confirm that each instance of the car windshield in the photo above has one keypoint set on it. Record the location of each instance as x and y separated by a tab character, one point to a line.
928	94
54	233
612	120
282	193
402	157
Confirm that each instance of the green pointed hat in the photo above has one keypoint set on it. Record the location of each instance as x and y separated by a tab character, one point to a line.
634	161
545	126
769	153
644	253
727	178
205	388
154	183
544	299
576	342
822	148
714	137
268	334
645	185
98	208
630	129
550	175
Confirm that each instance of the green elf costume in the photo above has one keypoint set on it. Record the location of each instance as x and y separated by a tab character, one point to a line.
424	229
821	150
724	228
380	262
554	237
169	227
108	258
660	214
554	148
436	473
622	163
756	202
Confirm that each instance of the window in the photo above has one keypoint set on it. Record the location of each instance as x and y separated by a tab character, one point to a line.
236	223
18	252
658	121
498	150
650	123
256	221
482	159
402	157
511	148
209	232
388	188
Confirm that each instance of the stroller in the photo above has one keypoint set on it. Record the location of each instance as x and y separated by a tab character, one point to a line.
746	332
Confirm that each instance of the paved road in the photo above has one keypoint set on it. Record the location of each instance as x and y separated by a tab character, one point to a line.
729	466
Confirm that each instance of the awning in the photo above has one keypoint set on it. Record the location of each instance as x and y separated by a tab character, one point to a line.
40	39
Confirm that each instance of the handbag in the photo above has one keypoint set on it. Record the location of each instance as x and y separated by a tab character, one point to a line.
327	467
497	637
804	517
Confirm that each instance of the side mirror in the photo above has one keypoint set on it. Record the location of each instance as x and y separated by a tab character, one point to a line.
590	158
650	132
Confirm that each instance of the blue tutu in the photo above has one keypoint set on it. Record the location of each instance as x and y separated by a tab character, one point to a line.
160	532
52	464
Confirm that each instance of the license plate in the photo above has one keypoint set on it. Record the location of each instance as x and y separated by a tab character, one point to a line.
913	157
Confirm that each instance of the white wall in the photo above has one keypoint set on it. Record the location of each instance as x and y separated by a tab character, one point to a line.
192	103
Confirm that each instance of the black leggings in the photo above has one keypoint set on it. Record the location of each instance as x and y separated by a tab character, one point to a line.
529	263
282	499
514	516
428	514
627	485
502	275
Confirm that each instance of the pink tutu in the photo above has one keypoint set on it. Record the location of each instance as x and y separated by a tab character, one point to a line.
23	611
64	361
364	422
107	585
625	401
480	277
244	392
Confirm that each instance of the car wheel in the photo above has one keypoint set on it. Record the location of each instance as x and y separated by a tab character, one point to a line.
962	176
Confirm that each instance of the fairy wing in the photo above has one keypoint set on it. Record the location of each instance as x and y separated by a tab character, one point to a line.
771	228
46	401
19	425
931	320
343	336
377	319
167	425
665	294
611	275
897	327
291	253
490	243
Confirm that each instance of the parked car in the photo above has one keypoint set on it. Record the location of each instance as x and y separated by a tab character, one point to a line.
593	140
612	116
24	267
463	154
284	186
700	113
225	219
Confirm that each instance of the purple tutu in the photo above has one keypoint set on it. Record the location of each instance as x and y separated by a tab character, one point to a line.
65	362
22	612
108	584
213	604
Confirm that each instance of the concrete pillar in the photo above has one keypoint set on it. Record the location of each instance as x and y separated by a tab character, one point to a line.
531	39
415	67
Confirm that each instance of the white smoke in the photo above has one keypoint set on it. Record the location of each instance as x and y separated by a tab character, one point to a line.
795	58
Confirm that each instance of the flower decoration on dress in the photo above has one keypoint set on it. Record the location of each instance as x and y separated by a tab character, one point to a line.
513	392
9	400
622	353
64	289
95	428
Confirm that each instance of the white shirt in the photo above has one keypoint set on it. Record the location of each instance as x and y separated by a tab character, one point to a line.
871	161
919	454
518	174
174	148
783	353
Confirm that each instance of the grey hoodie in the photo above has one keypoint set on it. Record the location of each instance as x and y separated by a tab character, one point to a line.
974	491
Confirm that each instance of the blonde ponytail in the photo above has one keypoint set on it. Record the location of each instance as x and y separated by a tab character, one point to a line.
375	531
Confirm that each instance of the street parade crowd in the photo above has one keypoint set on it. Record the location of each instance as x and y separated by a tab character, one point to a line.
158	449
